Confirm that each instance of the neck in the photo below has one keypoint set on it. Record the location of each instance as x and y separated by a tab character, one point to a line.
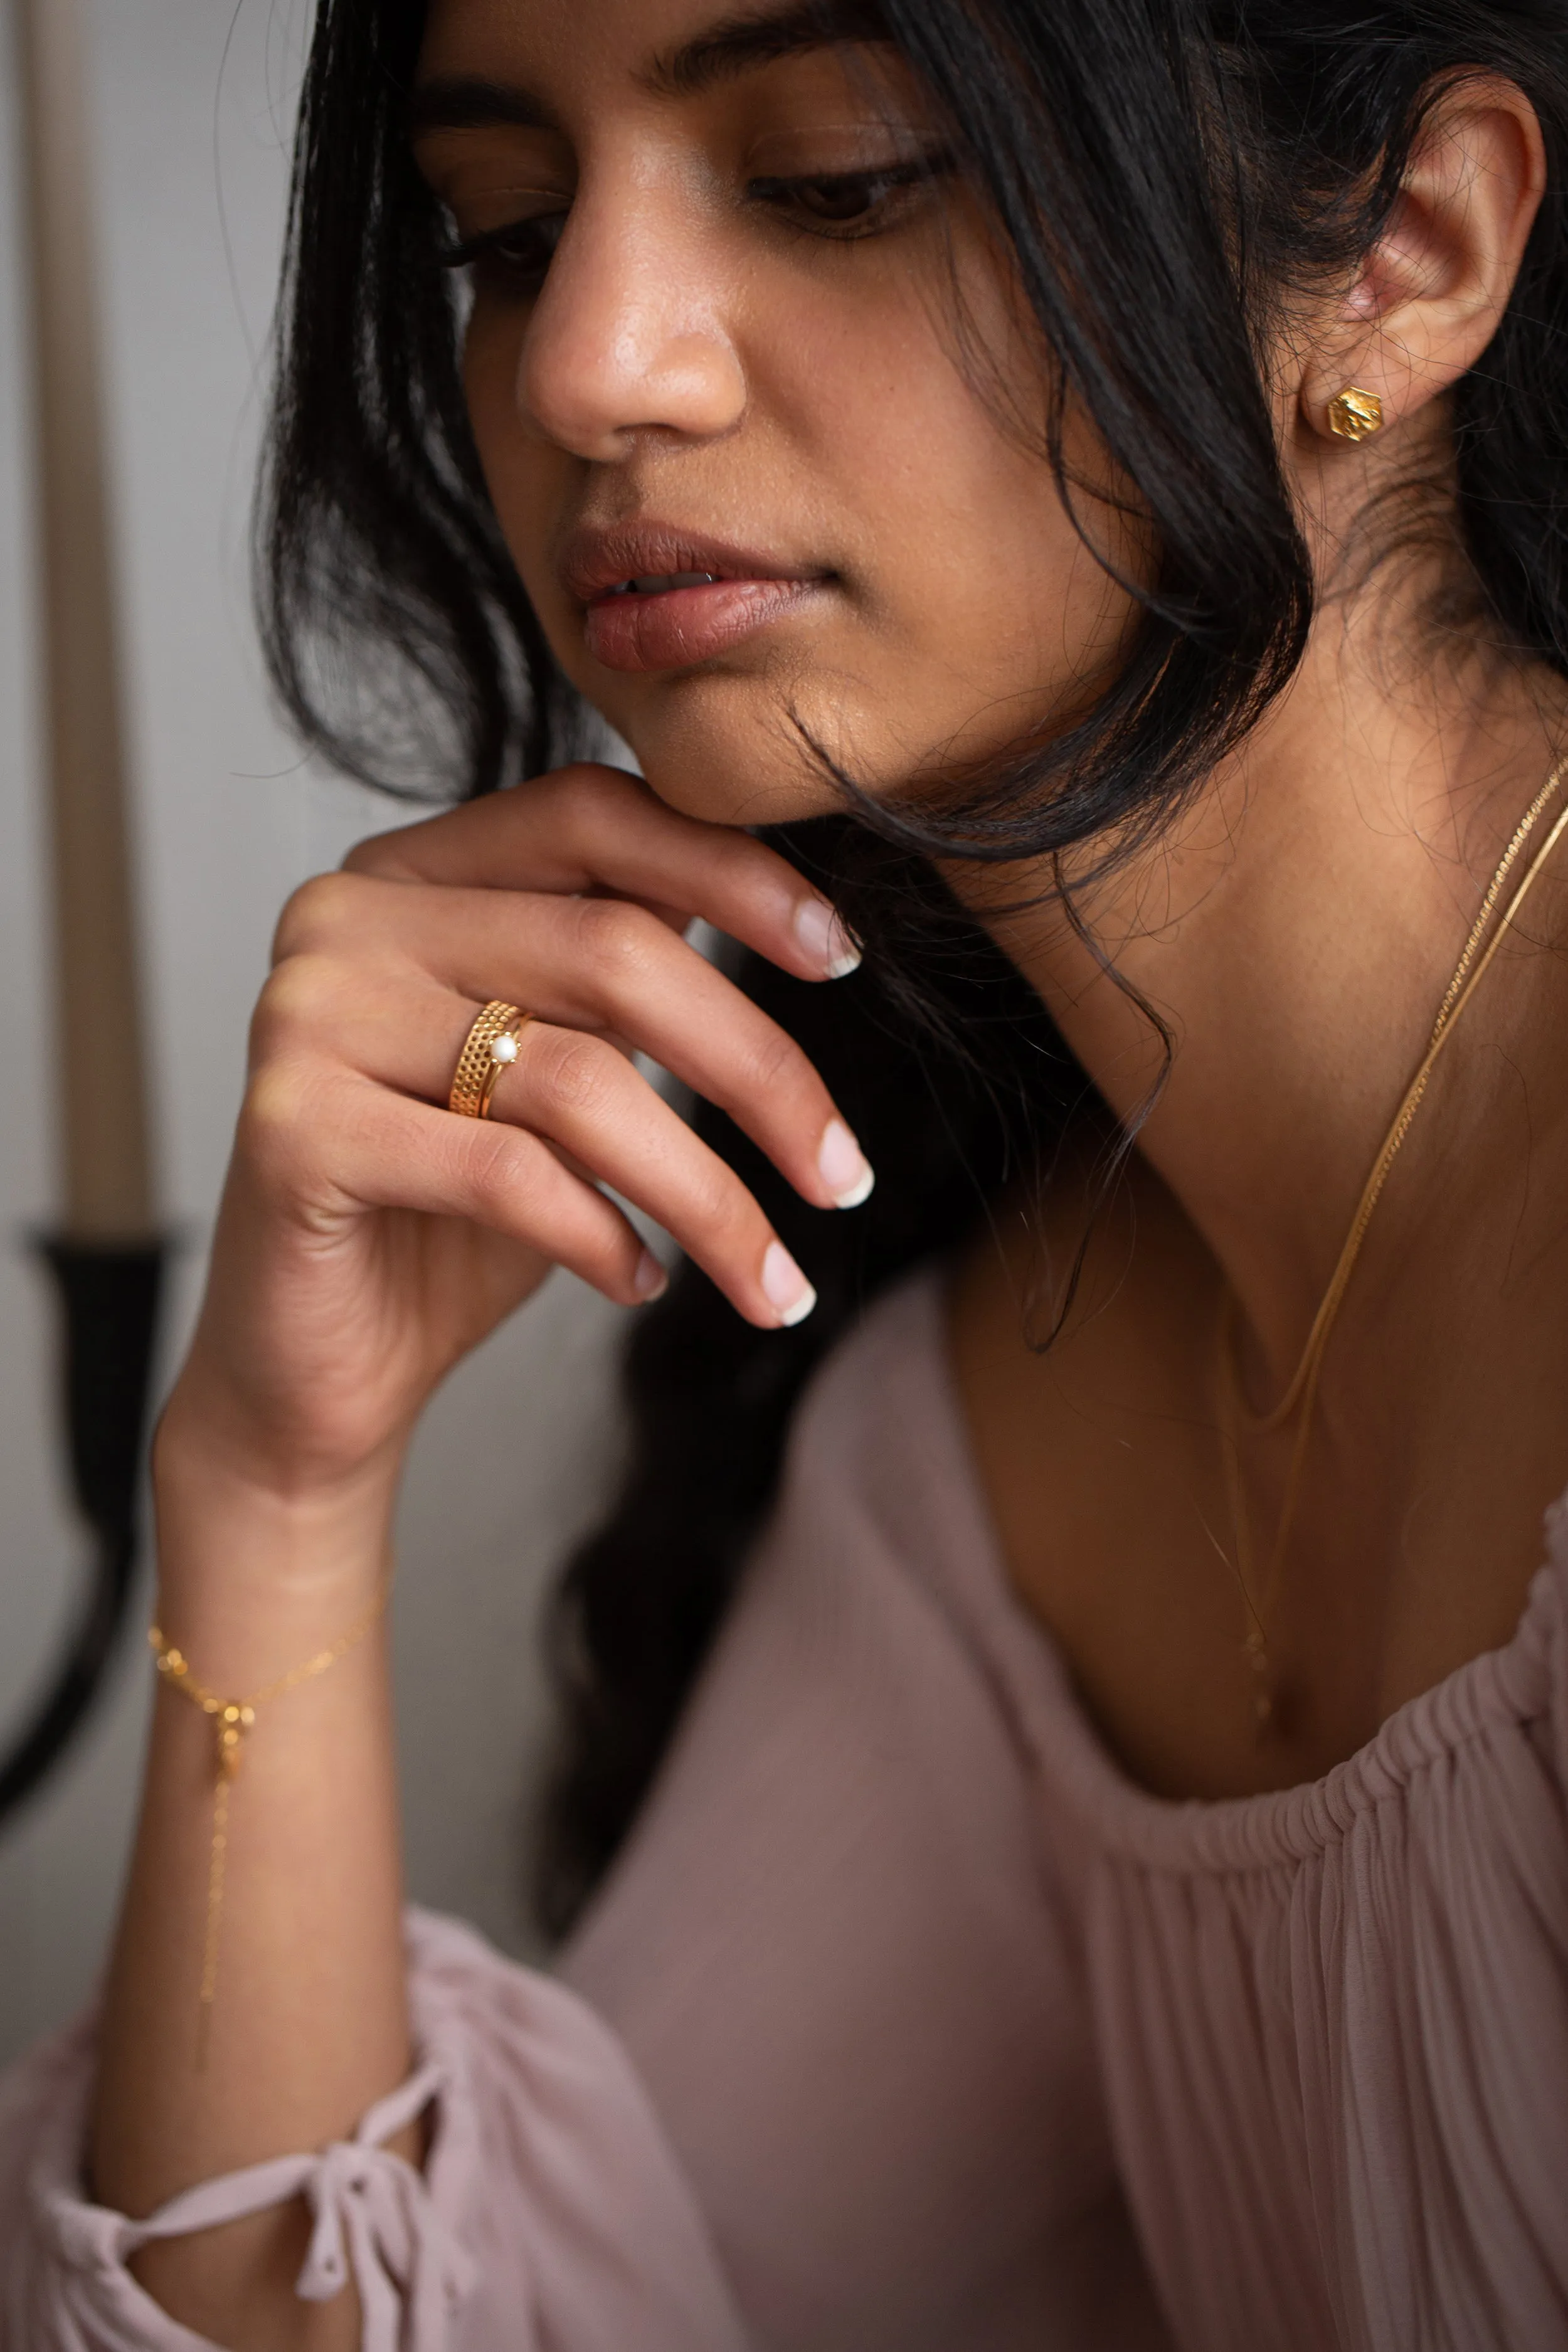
1294	931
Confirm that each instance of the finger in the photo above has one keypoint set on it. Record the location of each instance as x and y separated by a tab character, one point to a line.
597	966
578	1097
585	1099
602	966
594	1107
592	828
323	1134
674	918
401	1030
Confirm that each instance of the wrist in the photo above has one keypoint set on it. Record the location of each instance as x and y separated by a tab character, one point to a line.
196	1453
290	1442
251	1571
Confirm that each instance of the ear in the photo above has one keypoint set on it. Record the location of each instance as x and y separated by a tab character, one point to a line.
1432	292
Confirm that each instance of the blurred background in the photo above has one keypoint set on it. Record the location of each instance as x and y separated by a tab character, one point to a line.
190	102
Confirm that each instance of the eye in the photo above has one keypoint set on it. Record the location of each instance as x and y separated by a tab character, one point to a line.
512	259
849	204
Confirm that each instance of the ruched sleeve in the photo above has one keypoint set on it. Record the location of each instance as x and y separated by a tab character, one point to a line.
551	2217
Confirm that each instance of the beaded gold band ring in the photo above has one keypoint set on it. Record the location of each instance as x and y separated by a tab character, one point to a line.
489	1047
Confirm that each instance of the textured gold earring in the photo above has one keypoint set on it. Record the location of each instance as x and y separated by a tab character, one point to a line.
1356	414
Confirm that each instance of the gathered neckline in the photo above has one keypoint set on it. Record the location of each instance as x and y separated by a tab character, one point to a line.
1498	1688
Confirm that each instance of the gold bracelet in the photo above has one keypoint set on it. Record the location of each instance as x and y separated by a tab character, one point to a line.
232	1719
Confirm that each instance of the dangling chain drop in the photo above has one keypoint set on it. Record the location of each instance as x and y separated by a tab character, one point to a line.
231	1720
1299	1398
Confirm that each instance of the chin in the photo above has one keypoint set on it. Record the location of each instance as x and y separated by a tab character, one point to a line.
713	749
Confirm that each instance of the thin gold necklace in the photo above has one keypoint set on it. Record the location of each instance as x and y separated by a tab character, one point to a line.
1299	1397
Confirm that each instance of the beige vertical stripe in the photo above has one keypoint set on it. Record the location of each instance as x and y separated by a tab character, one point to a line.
100	1049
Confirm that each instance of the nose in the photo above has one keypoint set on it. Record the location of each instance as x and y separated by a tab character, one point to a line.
628	338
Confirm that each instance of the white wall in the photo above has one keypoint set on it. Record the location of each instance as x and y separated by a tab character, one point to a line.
191	114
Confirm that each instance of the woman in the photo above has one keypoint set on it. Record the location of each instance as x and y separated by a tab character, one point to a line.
1099	478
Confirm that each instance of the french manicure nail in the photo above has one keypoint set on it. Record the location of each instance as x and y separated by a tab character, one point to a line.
786	1286
843	1166
650	1280
825	939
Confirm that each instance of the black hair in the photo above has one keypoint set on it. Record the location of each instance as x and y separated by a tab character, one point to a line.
1164	171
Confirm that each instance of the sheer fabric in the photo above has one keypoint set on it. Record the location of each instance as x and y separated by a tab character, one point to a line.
907	2023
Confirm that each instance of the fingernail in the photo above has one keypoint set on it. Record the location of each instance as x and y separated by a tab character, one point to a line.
825	939
843	1166
786	1286
650	1280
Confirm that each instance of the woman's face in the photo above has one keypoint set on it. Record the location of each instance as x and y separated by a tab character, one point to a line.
718	393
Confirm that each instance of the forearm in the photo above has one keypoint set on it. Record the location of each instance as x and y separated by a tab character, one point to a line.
308	2025
367	1240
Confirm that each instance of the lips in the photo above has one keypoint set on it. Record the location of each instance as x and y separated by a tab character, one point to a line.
657	597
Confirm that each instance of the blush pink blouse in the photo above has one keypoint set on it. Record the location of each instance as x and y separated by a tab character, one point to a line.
906	2025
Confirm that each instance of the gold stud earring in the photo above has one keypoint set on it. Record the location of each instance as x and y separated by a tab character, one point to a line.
1356	414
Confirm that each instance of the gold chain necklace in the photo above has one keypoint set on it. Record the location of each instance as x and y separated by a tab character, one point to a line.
1300	1395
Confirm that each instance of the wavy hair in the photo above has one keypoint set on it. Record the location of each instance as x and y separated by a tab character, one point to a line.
1165	172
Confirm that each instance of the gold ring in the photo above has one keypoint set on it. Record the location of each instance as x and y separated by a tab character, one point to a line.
489	1047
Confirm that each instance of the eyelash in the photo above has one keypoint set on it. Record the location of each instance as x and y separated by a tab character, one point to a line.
892	180
884	187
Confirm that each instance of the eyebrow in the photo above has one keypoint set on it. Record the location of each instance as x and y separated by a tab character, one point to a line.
471	102
739	44
734	46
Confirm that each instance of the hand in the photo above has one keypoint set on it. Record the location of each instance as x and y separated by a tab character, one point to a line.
368	1238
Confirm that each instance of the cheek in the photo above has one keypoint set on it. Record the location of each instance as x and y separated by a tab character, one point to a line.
984	616
527	477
